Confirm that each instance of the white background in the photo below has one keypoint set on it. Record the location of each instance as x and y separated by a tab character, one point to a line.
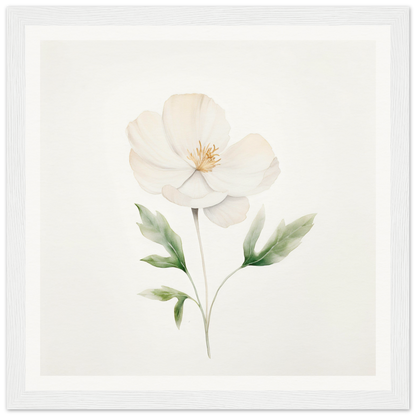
313	314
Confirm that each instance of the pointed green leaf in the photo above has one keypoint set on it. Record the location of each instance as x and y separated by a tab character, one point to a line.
147	217
163	294
173	242
178	311
156	228
162	262
157	294
254	234
167	293
283	241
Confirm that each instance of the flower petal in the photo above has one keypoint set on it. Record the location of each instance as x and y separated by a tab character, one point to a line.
147	138
193	118
242	167
270	176
228	212
153	178
194	193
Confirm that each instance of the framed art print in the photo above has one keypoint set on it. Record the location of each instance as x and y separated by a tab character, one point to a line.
207	207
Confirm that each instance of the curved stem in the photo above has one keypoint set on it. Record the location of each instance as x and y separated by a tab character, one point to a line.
206	330
193	285
216	294
196	221
207	342
198	302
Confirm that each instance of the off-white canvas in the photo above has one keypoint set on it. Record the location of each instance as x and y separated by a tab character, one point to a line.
312	314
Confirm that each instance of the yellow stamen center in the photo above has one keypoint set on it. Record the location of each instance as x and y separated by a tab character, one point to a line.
205	158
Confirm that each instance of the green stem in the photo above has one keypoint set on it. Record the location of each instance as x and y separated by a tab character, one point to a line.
207	342
198	233
198	302
193	285
216	294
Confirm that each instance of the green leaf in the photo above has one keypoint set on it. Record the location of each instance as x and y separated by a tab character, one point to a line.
157	229
178	311
167	293
159	261
283	240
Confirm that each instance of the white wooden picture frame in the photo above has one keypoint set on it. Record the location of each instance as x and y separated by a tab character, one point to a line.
41	374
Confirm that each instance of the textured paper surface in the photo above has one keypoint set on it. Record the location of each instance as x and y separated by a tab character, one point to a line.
311	315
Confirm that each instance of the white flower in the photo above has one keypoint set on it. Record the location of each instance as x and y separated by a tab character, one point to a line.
182	155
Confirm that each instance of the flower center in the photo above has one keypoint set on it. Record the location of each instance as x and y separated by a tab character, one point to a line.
205	158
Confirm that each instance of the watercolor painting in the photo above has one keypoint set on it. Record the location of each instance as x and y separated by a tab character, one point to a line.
226	137
183	155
